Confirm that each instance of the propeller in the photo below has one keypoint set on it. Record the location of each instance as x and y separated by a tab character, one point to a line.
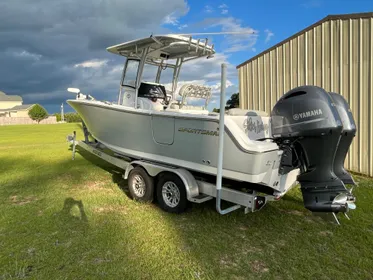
344	201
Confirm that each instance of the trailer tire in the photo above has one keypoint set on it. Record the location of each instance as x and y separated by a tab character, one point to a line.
171	193
140	185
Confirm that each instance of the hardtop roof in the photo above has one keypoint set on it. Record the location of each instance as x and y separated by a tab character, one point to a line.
164	47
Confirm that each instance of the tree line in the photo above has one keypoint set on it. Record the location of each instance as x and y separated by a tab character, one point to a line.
39	113
233	102
69	117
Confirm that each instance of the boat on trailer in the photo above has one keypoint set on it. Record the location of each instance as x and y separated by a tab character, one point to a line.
180	152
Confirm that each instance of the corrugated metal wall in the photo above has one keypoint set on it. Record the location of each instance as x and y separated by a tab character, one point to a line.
336	55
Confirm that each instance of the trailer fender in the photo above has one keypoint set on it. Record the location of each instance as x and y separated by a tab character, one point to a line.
154	169
128	170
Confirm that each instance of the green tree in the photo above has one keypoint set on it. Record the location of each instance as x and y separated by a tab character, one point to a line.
38	113
234	101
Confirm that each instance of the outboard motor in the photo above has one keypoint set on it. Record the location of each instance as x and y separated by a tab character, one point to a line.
348	134
307	126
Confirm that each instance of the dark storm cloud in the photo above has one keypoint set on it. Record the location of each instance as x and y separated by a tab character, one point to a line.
41	41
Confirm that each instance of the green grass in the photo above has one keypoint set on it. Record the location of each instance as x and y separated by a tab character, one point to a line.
64	219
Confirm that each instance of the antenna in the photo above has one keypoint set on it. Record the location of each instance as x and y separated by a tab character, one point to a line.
216	33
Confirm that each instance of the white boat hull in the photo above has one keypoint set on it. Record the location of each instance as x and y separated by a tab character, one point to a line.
185	140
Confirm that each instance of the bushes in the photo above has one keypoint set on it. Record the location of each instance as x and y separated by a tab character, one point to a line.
38	113
58	116
72	117
69	117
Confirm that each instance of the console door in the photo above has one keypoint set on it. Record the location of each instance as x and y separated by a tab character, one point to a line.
163	129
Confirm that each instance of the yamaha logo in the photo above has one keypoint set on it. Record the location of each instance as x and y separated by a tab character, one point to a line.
308	114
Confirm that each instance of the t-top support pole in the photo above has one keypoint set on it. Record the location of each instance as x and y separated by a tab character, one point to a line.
221	145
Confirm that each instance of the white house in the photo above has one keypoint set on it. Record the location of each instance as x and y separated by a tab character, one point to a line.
11	106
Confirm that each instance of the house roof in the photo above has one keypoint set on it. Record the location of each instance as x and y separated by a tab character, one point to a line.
4	97
18	108
22	107
327	18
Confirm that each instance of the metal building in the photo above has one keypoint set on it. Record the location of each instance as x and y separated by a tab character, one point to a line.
335	53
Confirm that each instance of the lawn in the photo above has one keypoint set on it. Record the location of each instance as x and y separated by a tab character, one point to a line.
64	219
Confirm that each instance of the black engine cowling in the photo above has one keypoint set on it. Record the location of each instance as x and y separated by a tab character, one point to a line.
308	119
347	135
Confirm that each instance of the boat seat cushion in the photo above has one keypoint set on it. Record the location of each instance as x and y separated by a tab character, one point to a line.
255	127
191	107
194	111
244	112
186	107
174	106
146	104
249	139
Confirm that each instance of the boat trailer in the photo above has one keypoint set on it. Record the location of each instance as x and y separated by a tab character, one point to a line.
174	186
196	191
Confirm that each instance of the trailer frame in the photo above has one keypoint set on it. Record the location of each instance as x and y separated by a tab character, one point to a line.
198	191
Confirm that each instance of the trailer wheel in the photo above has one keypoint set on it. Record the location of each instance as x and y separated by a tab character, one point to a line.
171	193
140	185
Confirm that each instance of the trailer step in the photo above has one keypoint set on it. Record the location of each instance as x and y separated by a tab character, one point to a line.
201	198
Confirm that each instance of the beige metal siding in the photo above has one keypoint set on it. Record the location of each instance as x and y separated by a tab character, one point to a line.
336	55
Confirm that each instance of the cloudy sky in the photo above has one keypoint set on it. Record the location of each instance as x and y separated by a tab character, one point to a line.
47	46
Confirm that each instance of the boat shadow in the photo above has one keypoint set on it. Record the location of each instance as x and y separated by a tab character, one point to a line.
196	227
122	183
116	172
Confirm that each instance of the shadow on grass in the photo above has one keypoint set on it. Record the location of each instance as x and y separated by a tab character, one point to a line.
34	175
69	220
118	179
229	246
68	206
50	231
116	173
